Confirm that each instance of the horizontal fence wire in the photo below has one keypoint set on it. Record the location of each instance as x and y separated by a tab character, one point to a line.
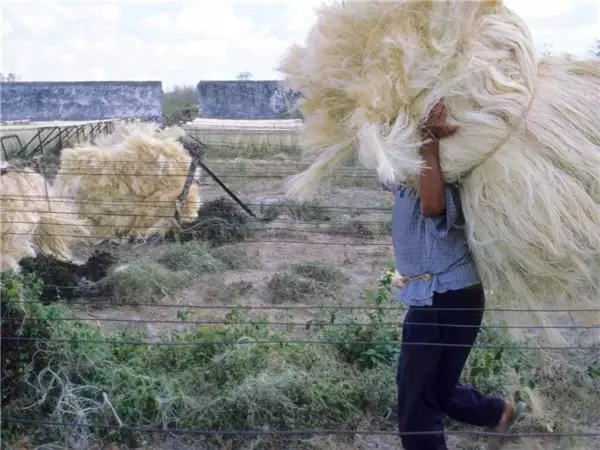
166	227
248	341
328	208
255	241
213	163
283	433
312	307
309	322
183	173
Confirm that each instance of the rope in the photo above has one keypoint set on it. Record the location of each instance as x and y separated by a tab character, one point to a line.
504	140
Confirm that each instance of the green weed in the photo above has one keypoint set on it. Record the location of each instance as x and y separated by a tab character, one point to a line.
241	375
376	342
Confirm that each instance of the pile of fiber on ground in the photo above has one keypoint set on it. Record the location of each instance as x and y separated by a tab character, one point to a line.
34	219
127	183
527	155
218	222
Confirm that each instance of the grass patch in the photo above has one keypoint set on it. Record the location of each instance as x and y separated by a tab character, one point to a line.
260	150
193	257
248	145
323	273
234	257
143	282
352	228
198	259
177	266
308	281
300	211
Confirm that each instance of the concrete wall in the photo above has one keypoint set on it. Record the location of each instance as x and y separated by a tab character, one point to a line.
80	100
251	100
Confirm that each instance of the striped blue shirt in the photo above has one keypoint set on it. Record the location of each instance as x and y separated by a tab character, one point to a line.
434	245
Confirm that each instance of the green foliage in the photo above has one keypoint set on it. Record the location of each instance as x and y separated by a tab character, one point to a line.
593	371
180	105
495	361
17	289
22	312
23	316
376	342
215	377
242	375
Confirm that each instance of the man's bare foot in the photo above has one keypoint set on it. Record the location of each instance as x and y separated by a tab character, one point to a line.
510	415
509	412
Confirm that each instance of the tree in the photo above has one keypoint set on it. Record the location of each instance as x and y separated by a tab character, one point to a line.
244	76
180	105
9	78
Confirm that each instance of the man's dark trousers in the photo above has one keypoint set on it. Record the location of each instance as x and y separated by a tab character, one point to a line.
428	374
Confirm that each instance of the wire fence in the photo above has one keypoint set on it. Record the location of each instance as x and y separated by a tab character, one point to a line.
86	343
297	341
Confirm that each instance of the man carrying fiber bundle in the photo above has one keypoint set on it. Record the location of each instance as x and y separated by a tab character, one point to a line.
446	302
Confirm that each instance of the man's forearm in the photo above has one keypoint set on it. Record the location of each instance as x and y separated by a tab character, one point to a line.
431	192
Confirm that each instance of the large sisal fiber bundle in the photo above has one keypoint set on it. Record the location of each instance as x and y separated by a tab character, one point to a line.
127	183
527	155
34	220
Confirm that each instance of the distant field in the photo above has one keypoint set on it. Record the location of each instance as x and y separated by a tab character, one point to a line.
248	138
228	138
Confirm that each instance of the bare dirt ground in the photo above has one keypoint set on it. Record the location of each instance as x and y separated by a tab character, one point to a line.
285	241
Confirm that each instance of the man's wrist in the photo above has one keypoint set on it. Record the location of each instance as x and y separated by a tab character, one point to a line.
431	147
428	135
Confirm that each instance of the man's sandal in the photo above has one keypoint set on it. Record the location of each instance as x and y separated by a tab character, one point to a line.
495	442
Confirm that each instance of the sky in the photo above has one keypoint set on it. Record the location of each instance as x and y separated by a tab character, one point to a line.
181	43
